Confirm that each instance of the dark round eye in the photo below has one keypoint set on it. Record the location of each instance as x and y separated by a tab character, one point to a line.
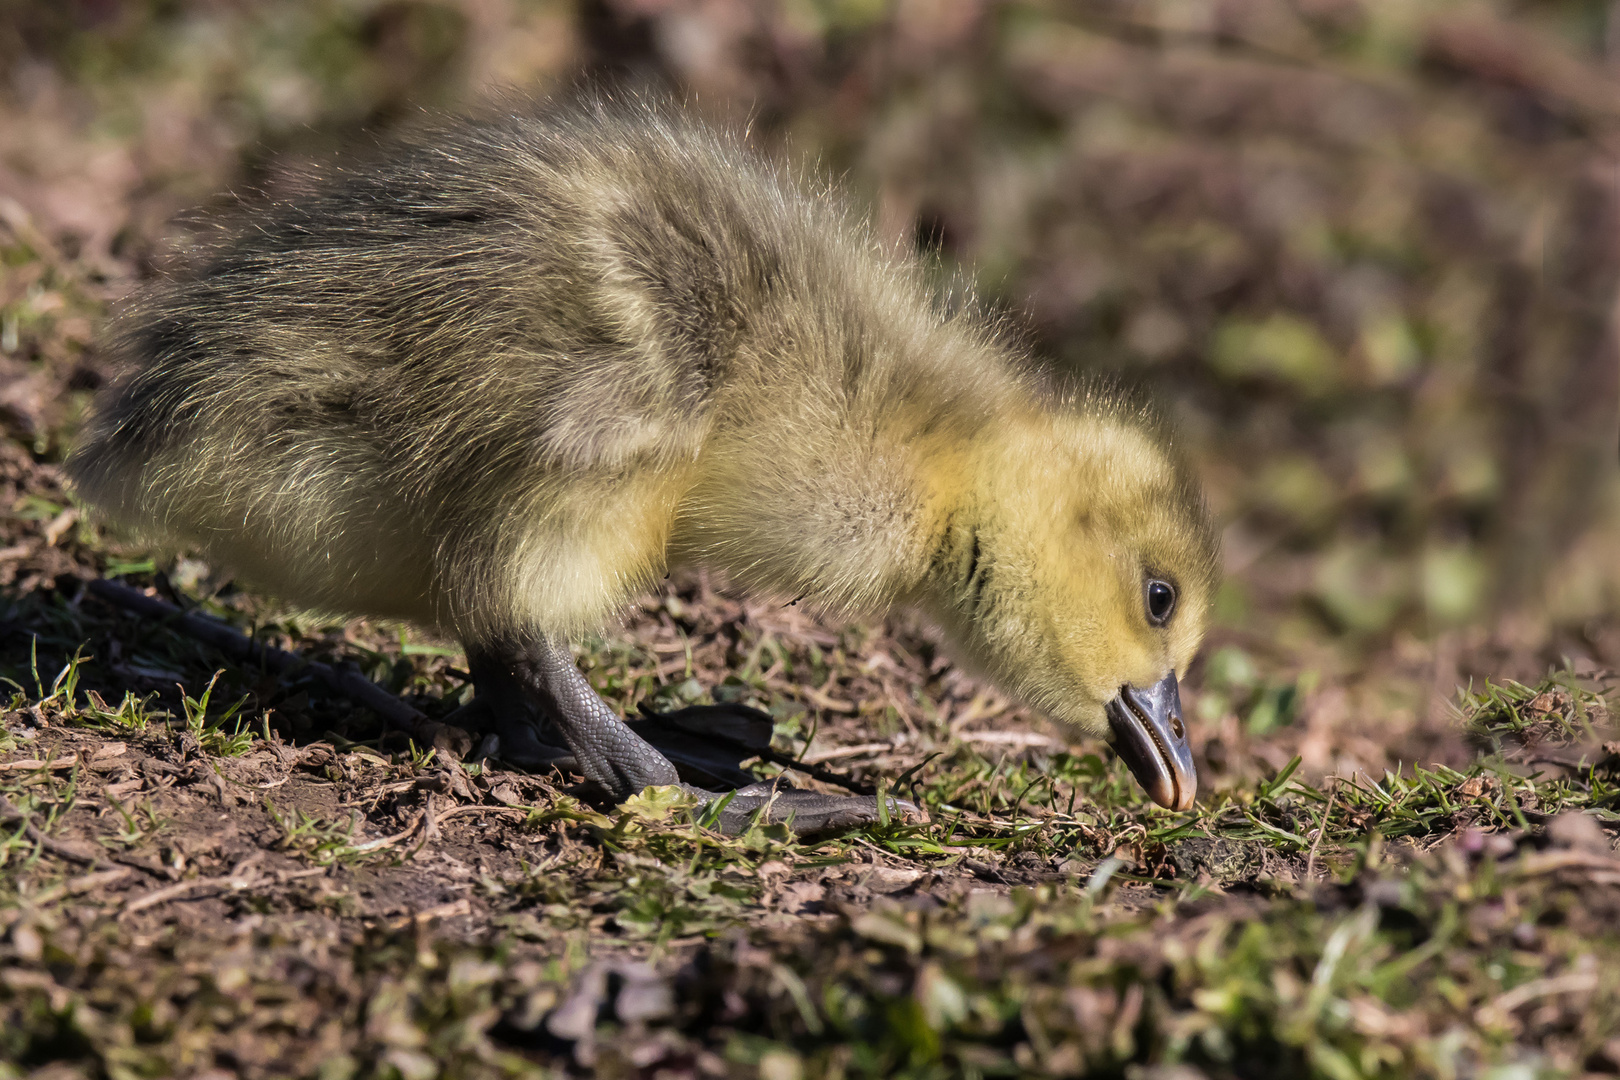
1161	601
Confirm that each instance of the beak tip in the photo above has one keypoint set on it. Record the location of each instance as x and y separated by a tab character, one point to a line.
1149	735
1174	796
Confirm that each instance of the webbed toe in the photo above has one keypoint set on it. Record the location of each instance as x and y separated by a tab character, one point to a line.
807	813
708	743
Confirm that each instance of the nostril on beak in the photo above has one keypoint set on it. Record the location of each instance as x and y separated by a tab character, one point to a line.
1175	726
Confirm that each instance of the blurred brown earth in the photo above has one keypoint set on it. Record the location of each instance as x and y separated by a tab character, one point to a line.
1367	252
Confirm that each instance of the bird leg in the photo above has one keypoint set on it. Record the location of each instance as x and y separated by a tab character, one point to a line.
706	744
539	674
532	687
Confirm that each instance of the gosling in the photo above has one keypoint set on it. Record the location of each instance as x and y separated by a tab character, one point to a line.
504	376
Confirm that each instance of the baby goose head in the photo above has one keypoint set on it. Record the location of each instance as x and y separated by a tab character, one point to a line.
1075	568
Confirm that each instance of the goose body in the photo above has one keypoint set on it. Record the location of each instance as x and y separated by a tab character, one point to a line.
504	376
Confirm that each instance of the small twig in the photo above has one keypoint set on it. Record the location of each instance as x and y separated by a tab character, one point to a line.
83	884
240	877
1536	817
35	764
72	887
450	910
242	648
457	811
10	813
984	871
1546	862
845	751
60	524
1310	861
1011	738
389	841
426	822
830	704
1496	1011
235	880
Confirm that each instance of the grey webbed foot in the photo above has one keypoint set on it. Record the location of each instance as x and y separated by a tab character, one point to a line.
708	743
716	738
805	812
521	745
535	695
504	707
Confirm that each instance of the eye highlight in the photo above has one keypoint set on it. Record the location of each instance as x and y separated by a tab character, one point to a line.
1161	600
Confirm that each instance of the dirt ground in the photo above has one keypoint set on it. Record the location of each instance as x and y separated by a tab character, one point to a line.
1363	252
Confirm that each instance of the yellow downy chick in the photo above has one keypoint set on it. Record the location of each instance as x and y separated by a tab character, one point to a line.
508	373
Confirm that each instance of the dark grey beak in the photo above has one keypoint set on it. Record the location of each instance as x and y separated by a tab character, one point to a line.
1150	737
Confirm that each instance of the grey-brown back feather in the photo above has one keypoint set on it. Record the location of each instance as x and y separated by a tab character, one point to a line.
430	346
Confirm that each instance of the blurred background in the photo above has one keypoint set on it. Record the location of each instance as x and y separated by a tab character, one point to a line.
1367	251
